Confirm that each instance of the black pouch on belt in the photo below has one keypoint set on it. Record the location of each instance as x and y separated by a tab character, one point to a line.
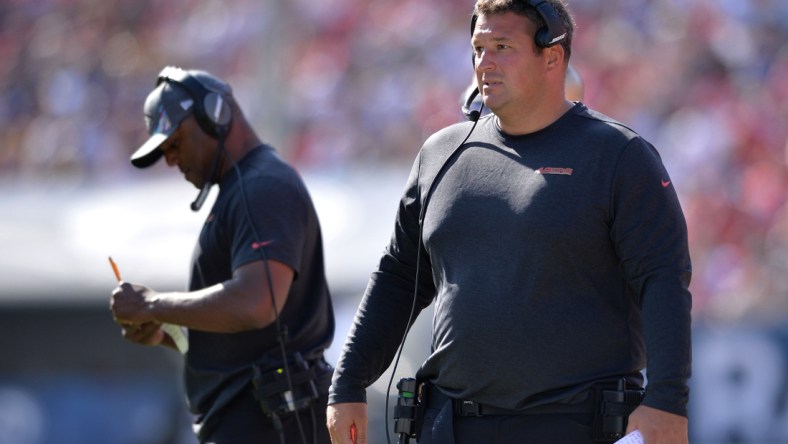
614	403
279	393
409	410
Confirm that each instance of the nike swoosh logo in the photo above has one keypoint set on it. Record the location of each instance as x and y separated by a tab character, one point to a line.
256	245
665	183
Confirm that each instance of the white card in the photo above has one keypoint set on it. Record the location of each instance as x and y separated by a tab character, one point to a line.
632	438
178	336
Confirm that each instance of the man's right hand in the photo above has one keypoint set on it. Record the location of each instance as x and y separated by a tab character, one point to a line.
342	417
147	333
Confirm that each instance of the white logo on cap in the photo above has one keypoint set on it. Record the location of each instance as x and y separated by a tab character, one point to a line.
186	104
164	122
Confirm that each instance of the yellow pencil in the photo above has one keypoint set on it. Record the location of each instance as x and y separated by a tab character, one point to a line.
115	269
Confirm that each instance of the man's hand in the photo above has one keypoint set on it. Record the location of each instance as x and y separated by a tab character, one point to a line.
342	418
129	304
148	333
659	427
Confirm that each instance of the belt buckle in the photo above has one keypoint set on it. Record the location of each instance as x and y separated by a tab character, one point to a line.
468	408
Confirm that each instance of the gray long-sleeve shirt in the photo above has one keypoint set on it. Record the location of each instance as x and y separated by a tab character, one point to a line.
554	259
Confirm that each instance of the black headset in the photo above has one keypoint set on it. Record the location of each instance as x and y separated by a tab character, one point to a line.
551	34
211	105
211	111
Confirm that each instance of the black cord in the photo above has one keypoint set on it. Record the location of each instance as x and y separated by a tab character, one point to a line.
278	426
314	423
422	212
280	332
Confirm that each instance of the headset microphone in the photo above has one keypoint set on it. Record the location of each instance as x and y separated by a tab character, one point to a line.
200	200
470	113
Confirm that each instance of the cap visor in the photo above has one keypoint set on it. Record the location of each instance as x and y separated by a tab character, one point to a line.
149	152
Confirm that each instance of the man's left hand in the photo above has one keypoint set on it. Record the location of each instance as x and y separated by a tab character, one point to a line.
659	427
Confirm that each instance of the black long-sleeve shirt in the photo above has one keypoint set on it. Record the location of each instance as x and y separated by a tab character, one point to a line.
554	259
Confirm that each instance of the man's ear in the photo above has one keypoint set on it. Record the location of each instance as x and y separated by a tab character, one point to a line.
554	56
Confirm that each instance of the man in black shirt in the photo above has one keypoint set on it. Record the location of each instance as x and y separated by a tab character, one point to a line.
258	309
552	242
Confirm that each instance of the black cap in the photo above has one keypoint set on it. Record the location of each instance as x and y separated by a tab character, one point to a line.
165	108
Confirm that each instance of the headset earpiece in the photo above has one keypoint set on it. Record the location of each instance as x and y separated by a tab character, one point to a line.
211	108
217	109
553	32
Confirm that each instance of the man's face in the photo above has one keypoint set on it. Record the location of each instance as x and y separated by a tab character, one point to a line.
510	72
191	150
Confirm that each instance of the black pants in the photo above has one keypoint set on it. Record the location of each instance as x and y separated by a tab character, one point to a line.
249	425
243	421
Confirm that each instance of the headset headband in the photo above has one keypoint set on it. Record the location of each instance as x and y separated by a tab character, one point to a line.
211	109
552	33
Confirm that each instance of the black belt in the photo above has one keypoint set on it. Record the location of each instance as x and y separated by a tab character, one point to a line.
436	399
245	400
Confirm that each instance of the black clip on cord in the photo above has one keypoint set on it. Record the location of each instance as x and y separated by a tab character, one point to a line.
422	212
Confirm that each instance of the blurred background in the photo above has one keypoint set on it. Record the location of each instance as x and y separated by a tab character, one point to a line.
348	90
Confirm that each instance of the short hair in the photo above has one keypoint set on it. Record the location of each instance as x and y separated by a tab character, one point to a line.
526	9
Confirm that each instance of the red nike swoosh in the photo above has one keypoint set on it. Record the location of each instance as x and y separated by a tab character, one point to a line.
256	245
665	183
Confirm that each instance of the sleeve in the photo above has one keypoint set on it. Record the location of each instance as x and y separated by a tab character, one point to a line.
650	234
276	220
389	306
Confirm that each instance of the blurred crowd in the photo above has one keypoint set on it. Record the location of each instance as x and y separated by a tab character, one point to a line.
339	84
